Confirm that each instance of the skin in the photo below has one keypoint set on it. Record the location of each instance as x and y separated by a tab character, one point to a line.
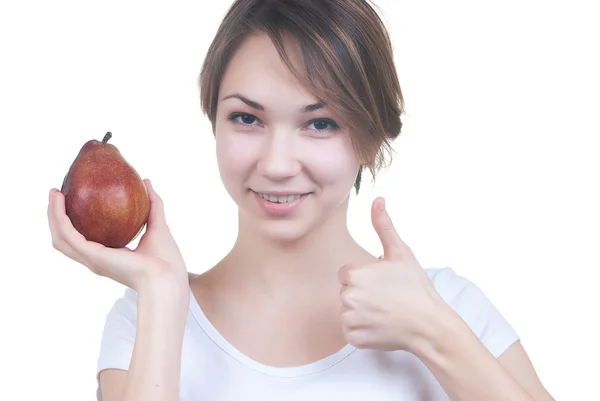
308	264
291	260
284	272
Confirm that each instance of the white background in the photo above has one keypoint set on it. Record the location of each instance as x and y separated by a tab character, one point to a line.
496	172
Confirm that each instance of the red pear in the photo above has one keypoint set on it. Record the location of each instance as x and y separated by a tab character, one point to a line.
105	197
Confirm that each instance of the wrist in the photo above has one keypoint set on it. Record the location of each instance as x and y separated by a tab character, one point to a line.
166	289
438	326
163	276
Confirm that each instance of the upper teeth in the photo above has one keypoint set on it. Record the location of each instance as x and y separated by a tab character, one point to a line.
279	199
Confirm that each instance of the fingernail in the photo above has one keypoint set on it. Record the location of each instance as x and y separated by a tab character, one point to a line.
382	204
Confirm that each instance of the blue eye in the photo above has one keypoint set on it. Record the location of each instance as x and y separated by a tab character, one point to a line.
246	119
324	124
320	125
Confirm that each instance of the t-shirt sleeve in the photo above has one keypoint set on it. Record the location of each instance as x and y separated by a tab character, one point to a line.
469	301
118	337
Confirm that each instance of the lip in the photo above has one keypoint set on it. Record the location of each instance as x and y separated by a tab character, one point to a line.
282	193
280	209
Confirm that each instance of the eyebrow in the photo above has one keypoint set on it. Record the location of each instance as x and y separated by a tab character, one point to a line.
257	106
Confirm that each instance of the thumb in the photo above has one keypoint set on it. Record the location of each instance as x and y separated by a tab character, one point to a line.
393	246
157	210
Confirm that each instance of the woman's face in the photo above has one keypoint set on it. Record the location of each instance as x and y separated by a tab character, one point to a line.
284	158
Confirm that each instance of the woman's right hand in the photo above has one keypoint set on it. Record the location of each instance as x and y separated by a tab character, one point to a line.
156	256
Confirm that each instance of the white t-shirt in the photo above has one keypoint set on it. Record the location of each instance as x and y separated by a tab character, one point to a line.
213	370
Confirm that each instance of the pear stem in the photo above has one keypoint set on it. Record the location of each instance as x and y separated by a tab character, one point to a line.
107	137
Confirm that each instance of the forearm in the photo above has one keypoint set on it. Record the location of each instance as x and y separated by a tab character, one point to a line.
462	365
154	372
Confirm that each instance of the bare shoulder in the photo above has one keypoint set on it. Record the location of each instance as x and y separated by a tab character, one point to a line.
112	383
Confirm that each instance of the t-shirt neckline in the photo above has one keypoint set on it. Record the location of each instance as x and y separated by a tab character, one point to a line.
284	372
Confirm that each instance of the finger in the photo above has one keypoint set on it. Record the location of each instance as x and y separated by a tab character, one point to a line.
344	275
393	246
343	289
58	242
99	259
88	253
81	250
157	211
49	213
349	297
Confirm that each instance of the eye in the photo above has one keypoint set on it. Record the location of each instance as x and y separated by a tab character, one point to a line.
323	124
243	118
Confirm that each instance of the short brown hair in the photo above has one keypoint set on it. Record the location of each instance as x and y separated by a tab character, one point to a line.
347	64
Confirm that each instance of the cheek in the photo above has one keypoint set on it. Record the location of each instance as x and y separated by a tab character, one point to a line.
234	157
333	163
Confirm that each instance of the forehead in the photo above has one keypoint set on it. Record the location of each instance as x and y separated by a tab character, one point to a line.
257	71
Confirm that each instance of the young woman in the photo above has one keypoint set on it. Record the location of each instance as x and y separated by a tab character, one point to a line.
302	96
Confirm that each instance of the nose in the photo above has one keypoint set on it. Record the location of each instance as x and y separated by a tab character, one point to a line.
279	157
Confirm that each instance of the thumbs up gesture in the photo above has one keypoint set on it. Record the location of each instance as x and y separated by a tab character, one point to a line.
386	305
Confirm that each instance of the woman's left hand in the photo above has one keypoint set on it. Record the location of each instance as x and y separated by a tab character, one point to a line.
387	305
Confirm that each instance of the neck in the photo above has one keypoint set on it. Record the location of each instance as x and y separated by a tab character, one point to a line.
273	267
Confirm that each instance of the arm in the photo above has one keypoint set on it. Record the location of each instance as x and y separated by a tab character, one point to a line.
468	371
156	271
393	304
154	372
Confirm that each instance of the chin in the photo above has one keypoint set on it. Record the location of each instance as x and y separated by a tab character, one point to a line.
285	228
280	229
283	232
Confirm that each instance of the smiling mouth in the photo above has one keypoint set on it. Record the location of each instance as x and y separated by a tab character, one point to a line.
280	198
